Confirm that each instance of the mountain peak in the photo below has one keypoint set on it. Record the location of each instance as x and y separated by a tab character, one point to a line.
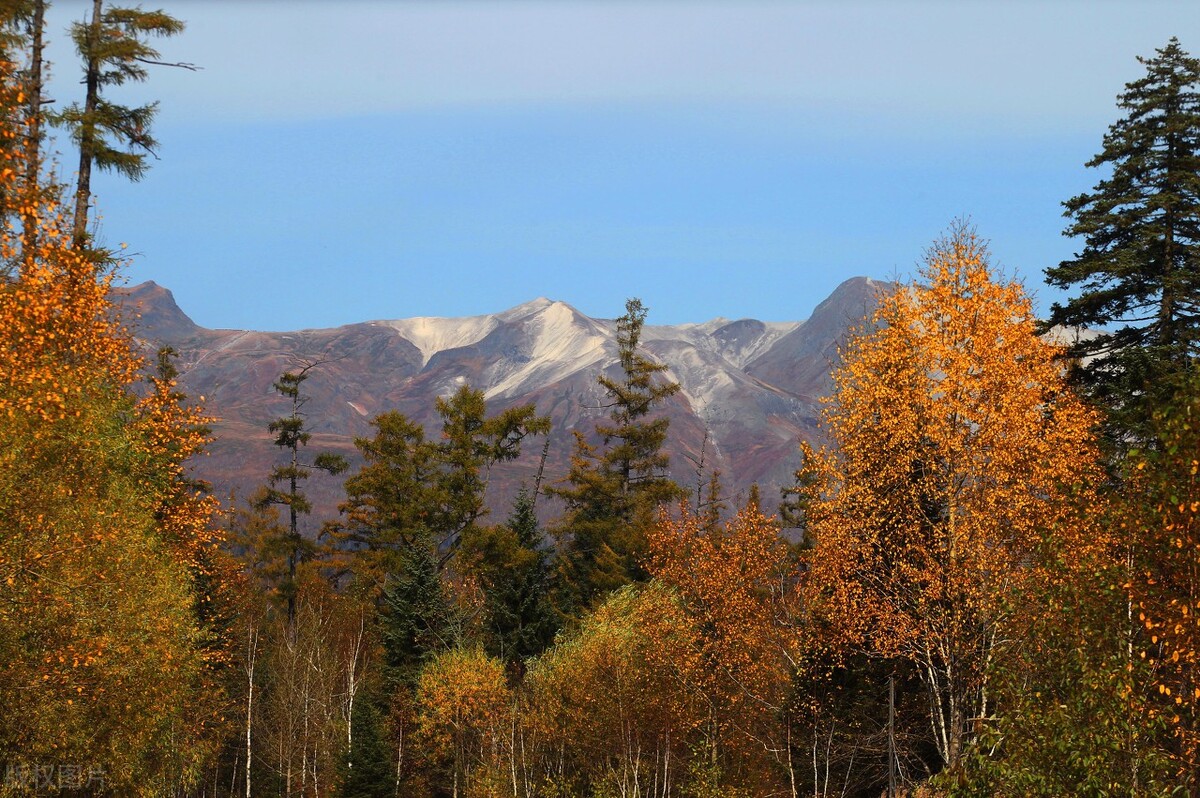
153	313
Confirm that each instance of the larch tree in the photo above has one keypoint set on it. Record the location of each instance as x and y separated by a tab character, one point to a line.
960	457
1138	273
413	492
613	491
114	46
408	512
736	584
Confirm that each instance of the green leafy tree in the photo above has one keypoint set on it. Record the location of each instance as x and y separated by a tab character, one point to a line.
1071	716
284	480
113	45
1138	274
612	491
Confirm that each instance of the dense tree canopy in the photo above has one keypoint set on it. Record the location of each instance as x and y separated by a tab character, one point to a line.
973	595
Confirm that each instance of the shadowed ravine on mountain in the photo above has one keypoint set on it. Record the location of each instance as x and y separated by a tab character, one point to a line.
750	389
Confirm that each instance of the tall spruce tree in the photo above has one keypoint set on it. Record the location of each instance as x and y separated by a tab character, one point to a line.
612	493
1138	274
366	769
419	619
284	480
514	572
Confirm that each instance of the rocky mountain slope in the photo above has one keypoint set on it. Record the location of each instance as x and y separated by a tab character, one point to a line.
750	389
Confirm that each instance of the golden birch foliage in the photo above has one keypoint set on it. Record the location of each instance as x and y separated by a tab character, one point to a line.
1163	530
959	454
463	705
608	704
734	585
172	433
100	649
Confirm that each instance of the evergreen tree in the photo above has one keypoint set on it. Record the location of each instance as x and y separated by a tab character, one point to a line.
1139	271
514	572
612	495
418	621
112	137
290	435
471	444
367	769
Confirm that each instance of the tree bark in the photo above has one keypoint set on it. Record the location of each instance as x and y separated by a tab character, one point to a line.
33	141
252	657
87	132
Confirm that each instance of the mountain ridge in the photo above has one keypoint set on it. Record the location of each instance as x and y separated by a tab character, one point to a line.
750	389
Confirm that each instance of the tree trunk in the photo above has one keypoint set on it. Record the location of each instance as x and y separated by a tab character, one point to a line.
87	131
33	141
251	658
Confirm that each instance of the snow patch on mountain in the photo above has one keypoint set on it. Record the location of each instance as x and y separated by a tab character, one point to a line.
738	342
433	334
558	342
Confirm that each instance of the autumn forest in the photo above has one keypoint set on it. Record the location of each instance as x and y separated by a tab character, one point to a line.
986	583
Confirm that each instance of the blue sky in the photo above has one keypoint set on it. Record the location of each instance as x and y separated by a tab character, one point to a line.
343	161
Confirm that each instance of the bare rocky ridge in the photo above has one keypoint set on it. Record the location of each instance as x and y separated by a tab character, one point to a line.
750	389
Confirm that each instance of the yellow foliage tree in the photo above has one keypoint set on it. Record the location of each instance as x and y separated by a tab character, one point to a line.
463	704
610	712
735	585
1163	534
102	650
959	456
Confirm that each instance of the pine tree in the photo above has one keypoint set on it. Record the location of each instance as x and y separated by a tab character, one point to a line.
290	435
612	495
1139	270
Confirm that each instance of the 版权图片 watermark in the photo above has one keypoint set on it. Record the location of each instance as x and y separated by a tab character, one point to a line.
53	776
